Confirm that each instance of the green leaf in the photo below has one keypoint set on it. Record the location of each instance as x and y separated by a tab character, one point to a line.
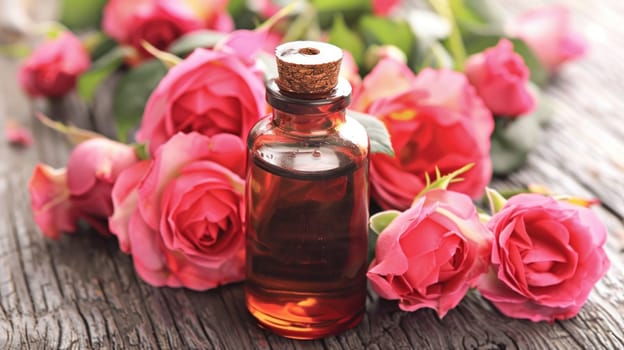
477	42
513	139
201	38
511	142
337	6
385	31
495	200
477	12
381	220
141	150
372	242
82	14
99	44
351	10
341	36
376	224
100	69
505	158
377	132
236	7
132	92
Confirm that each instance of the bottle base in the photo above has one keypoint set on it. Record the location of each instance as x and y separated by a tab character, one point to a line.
304	331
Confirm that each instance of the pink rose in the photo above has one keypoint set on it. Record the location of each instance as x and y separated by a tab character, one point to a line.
49	200
53	68
501	79
209	92
546	257
432	253
384	7
434	120
181	214
548	33
160	22
92	169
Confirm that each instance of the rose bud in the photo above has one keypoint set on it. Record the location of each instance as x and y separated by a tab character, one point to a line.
53	68
92	169
546	257
501	78
431	254
548	33
53	212
181	214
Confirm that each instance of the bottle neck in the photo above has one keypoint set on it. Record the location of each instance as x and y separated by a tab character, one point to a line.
307	115
316	124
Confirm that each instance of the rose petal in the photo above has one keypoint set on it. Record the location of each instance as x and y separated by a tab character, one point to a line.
16	134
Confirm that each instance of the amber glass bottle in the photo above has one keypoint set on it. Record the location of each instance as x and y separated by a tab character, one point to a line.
307	202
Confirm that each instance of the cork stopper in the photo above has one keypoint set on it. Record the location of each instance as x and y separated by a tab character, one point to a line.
307	69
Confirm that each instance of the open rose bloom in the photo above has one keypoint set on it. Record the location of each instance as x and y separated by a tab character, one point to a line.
181	214
210	92
435	120
547	256
432	253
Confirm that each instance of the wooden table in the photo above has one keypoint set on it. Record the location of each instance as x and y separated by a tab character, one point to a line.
82	292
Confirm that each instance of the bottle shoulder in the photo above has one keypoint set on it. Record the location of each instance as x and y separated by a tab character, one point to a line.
348	132
345	147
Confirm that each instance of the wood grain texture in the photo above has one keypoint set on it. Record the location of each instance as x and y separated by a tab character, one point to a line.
81	292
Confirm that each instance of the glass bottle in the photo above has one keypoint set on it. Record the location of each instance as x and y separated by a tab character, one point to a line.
307	206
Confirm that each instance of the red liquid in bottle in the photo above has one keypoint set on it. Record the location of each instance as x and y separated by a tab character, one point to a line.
307	215
307	250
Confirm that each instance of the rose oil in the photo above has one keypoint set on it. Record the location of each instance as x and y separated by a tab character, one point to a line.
307	212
